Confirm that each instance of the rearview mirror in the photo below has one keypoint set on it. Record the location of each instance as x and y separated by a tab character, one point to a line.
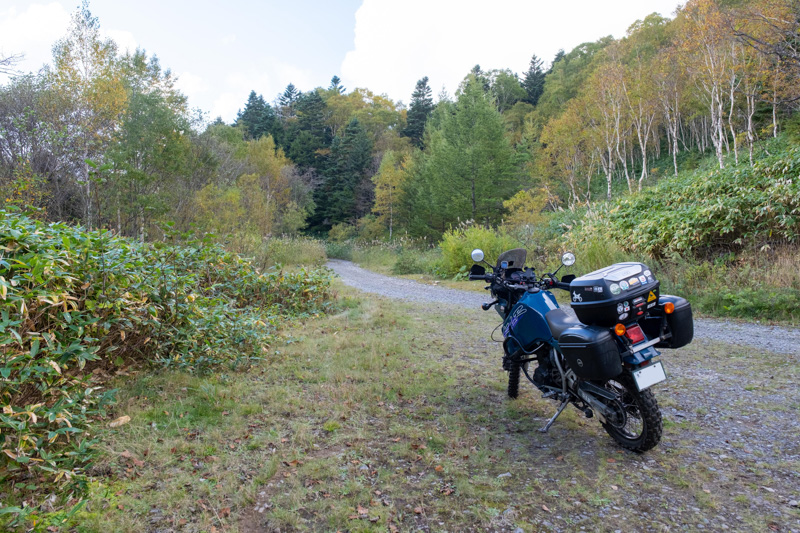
477	255
568	259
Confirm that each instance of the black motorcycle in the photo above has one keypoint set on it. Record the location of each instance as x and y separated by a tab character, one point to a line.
600	361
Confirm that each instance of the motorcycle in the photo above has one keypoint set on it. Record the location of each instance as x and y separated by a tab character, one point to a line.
602	359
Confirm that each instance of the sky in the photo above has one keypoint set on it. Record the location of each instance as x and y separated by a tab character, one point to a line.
220	51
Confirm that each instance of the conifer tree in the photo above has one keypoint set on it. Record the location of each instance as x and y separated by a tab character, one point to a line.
288	99
419	111
533	82
258	118
336	85
343	195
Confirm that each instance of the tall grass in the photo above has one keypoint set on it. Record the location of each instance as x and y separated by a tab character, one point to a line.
283	250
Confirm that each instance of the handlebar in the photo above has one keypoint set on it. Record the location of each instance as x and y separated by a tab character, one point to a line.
522	284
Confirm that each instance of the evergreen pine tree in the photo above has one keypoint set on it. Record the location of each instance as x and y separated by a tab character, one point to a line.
533	82
258	118
288	99
309	134
336	85
342	197
419	111
468	167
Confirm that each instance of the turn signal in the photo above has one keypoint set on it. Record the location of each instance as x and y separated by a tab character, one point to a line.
619	329
669	308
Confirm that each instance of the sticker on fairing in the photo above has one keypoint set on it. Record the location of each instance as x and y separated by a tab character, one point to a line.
615	289
623	285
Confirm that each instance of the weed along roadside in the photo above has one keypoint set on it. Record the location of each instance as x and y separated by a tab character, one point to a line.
87	316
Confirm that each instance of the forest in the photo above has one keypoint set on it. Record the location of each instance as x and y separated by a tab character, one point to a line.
104	139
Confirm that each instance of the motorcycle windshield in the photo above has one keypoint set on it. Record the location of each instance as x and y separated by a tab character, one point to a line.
515	258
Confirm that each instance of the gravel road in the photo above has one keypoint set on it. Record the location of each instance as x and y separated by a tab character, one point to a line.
763	337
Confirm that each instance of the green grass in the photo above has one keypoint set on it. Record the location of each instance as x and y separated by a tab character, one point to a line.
408	428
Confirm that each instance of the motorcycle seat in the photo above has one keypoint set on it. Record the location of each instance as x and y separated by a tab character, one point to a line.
559	320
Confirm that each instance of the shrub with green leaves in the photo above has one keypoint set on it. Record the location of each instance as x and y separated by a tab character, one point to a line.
709	208
457	244
75	305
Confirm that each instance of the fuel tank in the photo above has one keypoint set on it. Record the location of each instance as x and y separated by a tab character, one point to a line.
525	325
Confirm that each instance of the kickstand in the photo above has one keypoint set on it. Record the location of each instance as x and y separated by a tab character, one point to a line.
561	408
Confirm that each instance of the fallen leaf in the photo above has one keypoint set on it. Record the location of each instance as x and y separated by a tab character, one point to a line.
378	493
126	454
418	510
545	508
362	511
225	511
439	468
560	458
121	421
614	487
610	460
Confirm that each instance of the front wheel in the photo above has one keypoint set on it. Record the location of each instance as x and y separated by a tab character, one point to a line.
637	423
514	367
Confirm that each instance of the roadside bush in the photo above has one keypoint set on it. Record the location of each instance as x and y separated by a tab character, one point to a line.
419	262
342	232
75	305
457	245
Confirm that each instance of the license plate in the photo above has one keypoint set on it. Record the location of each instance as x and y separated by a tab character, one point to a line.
649	375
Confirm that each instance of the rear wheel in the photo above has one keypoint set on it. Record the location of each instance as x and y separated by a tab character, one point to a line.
636	424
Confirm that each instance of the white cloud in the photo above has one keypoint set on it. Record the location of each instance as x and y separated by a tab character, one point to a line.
193	84
228	39
32	32
398	42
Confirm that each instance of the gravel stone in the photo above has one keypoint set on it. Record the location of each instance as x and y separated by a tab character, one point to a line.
774	339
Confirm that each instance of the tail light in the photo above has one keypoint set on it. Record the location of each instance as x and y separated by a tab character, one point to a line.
619	329
635	334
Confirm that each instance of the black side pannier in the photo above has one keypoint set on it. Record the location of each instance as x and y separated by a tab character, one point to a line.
591	352
679	324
